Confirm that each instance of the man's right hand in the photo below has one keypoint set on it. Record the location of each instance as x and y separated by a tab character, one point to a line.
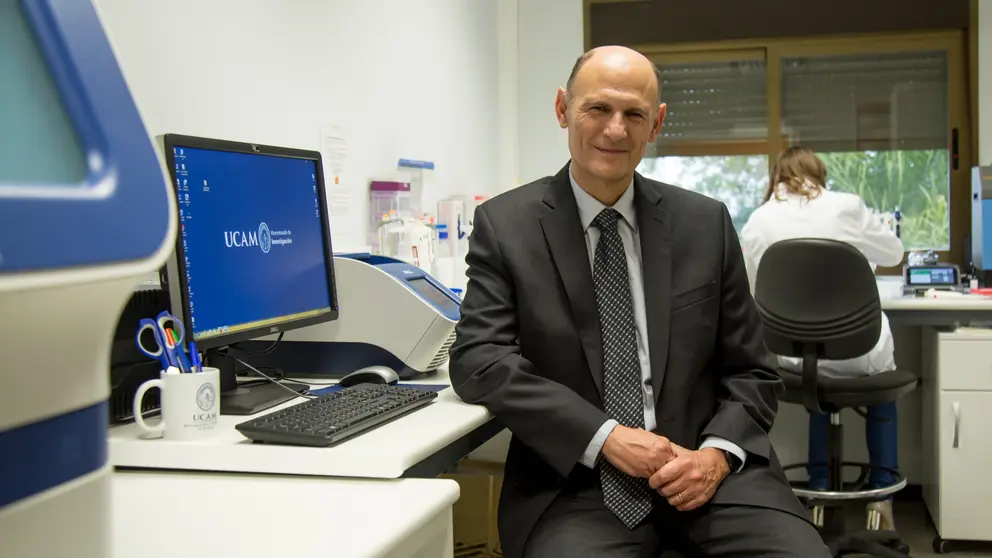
636	451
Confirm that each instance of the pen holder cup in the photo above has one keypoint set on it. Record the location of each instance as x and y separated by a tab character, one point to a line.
190	405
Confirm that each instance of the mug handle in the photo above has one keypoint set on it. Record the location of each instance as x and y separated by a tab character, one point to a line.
138	396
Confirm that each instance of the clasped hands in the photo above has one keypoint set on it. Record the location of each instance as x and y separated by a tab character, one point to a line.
686	478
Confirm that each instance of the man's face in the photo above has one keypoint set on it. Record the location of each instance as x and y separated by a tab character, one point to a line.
611	116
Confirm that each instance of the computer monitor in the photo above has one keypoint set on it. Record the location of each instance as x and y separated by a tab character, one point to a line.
253	254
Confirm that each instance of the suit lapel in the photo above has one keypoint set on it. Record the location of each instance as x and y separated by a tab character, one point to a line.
656	260
566	239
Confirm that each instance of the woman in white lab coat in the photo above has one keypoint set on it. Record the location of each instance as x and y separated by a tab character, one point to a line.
798	205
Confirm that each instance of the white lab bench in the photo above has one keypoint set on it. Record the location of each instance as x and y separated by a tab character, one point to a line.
265	500
421	444
955	368
919	311
161	514
957	414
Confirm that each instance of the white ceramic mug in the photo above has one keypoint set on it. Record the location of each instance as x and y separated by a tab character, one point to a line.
190	405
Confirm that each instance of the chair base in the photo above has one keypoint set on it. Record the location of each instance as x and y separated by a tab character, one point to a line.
881	543
884	544
828	509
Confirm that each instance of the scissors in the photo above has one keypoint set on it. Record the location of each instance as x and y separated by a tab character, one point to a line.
154	340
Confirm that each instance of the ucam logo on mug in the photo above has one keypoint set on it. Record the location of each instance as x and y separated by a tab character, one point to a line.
190	404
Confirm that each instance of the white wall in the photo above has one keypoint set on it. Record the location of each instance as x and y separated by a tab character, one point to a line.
538	41
508	89
405	79
549	34
984	83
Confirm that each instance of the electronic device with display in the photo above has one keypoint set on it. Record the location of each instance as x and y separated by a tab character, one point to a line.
253	255
84	214
981	224
924	277
392	314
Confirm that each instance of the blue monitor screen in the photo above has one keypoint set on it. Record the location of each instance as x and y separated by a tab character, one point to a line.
252	240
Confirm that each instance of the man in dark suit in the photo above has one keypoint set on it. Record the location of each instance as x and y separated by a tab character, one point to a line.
609	325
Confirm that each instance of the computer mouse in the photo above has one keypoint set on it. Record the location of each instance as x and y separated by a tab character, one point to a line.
370	375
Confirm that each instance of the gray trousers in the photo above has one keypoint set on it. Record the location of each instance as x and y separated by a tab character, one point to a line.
578	524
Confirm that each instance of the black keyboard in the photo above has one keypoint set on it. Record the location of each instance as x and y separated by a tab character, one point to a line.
337	416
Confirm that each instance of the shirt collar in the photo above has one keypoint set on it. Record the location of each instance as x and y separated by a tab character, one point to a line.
590	207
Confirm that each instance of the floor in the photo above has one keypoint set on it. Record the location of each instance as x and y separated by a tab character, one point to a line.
917	531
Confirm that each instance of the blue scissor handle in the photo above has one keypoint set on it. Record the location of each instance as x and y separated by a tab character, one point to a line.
165	321
160	350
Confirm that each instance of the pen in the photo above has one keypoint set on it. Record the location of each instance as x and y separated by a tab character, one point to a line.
195	357
170	350
184	365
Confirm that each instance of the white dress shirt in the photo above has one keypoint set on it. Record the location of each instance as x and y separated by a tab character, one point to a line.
835	216
589	208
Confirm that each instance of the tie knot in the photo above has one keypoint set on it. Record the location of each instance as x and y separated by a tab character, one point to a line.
607	220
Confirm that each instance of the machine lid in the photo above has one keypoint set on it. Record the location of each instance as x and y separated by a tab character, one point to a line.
80	181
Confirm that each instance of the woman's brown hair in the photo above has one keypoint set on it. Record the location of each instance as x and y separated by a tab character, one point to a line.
800	171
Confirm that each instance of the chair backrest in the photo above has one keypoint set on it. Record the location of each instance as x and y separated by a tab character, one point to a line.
818	293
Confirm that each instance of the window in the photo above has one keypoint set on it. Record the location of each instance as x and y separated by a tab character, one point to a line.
737	180
888	115
879	122
714	138
912	181
720	102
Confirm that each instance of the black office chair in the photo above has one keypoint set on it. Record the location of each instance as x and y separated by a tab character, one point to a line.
818	300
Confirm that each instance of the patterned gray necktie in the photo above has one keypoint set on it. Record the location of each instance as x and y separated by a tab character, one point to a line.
629	498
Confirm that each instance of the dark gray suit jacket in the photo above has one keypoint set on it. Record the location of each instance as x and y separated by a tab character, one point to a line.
529	347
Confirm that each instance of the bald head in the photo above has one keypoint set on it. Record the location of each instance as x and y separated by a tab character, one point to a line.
613	59
611	110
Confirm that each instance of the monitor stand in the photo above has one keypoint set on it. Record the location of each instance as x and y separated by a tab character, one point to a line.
247	399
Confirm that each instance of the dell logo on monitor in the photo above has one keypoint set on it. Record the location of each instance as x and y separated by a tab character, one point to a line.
254	148
274	329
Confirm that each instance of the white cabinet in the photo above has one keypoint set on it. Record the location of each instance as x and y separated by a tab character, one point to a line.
957	433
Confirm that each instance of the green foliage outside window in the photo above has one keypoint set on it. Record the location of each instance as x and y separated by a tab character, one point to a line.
915	181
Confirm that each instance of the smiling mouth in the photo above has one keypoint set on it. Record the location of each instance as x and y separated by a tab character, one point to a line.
611	151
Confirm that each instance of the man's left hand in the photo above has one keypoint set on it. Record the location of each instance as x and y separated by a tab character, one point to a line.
691	479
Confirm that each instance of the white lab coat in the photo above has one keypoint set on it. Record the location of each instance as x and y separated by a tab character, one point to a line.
836	216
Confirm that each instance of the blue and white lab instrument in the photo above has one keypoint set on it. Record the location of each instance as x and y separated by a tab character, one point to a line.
84	213
392	314
981	224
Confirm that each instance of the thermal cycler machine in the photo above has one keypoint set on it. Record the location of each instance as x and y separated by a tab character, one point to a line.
391	313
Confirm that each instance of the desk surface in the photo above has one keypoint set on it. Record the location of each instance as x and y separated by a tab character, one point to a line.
166	514
949	312
384	452
962	303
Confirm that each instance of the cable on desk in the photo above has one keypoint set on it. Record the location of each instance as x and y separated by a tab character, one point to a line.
277	372
265	351
276	382
309	383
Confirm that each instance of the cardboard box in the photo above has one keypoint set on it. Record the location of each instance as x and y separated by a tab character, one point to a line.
474	514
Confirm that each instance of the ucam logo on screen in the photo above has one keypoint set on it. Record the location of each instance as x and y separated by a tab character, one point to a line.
263	238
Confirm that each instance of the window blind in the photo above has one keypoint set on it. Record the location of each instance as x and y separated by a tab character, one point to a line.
866	101
713	102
